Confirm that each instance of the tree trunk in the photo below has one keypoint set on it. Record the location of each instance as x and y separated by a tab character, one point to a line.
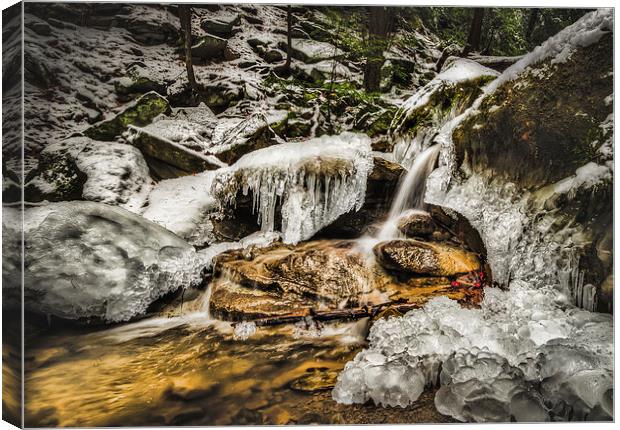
379	26
475	31
185	15
289	37
531	23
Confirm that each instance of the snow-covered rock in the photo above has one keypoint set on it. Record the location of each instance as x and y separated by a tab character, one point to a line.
315	182
86	260
312	51
82	168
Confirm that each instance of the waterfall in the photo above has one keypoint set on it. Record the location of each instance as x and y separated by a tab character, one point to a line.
410	194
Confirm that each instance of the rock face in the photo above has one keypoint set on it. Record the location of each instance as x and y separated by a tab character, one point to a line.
545	127
534	131
425	258
139	113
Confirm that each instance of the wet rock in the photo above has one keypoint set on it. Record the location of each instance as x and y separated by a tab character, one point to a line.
425	258
40	27
208	47
316	379
139	113
324	270
416	224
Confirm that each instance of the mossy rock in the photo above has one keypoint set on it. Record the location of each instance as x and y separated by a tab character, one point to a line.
543	125
139	113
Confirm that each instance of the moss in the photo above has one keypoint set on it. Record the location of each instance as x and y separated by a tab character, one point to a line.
139	113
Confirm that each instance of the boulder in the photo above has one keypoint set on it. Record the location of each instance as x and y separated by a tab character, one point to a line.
139	113
425	258
221	23
208	47
312	51
95	262
315	276
139	80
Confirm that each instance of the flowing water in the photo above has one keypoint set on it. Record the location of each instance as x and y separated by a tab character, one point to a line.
189	371
410	193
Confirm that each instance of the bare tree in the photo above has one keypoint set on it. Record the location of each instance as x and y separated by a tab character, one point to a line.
185	15
289	36
380	21
475	31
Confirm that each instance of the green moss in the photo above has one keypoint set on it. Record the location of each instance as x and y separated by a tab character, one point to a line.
139	113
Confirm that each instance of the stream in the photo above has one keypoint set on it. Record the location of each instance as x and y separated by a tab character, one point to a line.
192	371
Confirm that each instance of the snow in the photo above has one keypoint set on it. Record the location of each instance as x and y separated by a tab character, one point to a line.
316	181
182	205
92	260
583	33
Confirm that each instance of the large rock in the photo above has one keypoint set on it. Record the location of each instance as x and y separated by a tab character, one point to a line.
139	113
425	258
199	142
91	261
314	276
541	126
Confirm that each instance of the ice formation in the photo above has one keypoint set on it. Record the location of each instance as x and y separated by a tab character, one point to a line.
528	353
92	260
183	205
244	330
316	181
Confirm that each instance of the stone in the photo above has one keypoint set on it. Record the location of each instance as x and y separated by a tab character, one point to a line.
425	258
222	24
208	47
273	56
312	51
139	80
139	113
415	223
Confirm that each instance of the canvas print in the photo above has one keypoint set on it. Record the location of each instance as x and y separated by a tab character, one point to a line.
242	214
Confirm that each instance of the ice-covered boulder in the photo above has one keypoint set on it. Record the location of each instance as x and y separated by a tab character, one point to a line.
312	183
92	261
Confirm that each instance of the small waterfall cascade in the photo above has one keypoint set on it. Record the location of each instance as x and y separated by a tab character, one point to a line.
410	193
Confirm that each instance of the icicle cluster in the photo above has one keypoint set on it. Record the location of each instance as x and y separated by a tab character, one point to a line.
313	182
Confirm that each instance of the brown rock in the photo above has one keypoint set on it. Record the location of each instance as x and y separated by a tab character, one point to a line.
416	223
425	258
